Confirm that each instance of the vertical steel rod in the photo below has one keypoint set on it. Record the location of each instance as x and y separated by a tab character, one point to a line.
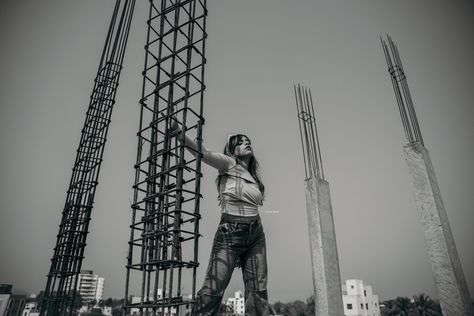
308	133
402	92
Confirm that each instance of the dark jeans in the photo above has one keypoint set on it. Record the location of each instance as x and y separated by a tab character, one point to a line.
239	241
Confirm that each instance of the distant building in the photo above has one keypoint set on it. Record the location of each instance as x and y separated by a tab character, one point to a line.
4	298
90	286
5	293
11	304
359	300
30	309
237	303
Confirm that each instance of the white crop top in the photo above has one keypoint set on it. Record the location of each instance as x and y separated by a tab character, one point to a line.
239	193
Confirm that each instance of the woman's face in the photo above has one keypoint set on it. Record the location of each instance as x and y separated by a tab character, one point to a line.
243	147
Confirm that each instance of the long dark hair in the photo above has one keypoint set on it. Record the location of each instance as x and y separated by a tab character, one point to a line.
253	166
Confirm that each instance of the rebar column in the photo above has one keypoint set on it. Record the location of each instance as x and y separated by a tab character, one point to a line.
163	246
447	271
322	236
66	262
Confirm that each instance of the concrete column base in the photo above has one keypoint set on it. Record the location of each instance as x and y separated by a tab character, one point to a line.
447	271
324	258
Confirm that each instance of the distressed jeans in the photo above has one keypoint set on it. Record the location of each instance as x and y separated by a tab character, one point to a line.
239	241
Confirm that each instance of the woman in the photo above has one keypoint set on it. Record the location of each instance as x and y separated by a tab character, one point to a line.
239	240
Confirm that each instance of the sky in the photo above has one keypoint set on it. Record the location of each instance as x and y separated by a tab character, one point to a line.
256	50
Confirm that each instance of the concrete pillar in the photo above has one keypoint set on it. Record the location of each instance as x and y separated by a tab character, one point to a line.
324	259
447	271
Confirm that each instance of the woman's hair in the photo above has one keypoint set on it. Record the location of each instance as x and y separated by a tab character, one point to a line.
253	166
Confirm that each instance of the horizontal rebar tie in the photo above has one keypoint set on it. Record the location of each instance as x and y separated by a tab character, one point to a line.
151	305
165	264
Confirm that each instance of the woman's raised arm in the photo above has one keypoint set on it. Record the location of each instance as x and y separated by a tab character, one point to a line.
214	159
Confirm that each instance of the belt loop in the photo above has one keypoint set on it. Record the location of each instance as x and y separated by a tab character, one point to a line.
257	221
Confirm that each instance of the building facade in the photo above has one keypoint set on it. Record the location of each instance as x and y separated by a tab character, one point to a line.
31	309
5	293
4	298
90	286
237	303
11	304
359	300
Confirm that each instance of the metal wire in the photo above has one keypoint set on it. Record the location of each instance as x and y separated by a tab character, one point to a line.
402	92
163	246
66	262
308	133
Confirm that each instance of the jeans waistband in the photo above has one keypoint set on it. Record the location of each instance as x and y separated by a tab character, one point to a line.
240	219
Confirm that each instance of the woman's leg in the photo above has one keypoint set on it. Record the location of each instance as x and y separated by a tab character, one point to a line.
254	270
219	271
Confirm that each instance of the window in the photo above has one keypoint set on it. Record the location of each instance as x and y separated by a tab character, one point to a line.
375	304
362	306
349	306
365	293
352	286
366	305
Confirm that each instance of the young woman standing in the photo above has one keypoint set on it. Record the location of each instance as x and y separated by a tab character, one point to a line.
239	240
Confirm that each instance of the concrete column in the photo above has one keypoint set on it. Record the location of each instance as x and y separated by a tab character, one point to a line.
447	271
324	259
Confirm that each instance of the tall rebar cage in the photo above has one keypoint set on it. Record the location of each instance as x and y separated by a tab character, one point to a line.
163	246
66	262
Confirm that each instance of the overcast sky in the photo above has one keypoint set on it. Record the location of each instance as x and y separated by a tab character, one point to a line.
256	50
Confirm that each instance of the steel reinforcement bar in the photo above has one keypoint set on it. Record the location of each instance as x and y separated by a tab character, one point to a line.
313	164
402	92
163	246
60	292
